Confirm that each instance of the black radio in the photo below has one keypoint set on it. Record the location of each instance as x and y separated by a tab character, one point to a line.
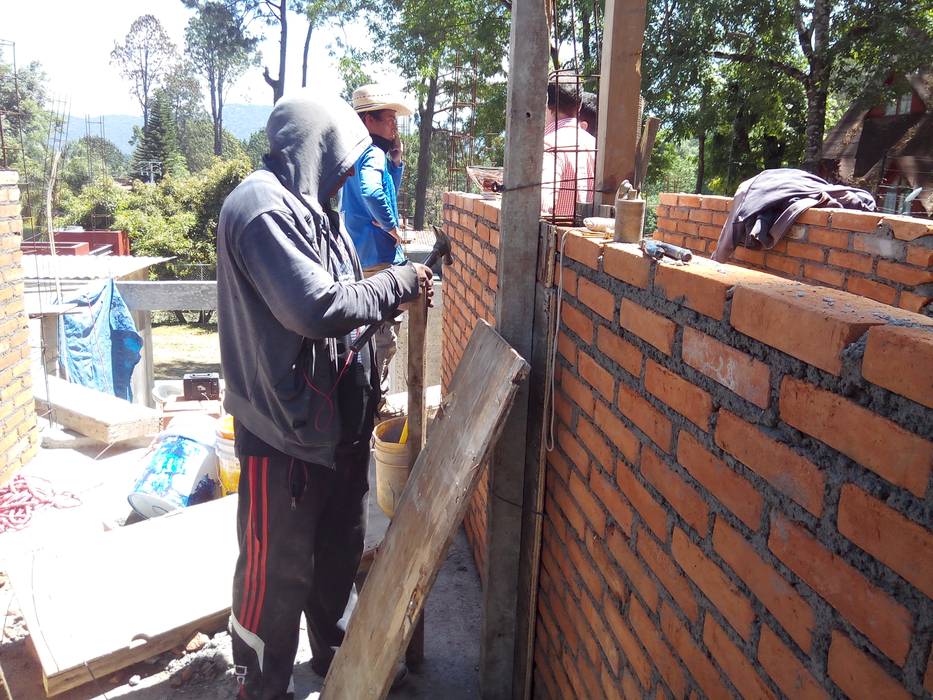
201	386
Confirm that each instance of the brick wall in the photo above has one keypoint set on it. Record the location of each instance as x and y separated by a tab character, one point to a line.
739	502
883	257
470	286
19	436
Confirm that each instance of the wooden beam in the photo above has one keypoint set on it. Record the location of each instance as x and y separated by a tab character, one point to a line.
619	91
432	506
518	255
169	296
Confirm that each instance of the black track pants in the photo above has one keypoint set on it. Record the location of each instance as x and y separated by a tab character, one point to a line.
301	529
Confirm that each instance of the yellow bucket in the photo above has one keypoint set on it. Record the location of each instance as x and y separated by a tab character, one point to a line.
228	466
392	468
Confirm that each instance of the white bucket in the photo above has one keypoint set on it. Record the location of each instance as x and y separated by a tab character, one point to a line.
180	470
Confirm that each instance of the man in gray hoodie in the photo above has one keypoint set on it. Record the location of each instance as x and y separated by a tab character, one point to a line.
291	299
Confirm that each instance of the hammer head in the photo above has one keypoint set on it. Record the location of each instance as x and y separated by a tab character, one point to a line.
442	249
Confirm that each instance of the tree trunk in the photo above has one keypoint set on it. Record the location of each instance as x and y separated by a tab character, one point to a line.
278	84
817	86
425	131
585	33
304	55
219	132
701	162
214	89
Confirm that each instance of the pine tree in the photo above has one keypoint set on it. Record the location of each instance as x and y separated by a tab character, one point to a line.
157	153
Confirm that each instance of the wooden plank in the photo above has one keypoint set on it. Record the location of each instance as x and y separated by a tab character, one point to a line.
128	594
468	423
417	426
105	418
619	90
169	296
518	257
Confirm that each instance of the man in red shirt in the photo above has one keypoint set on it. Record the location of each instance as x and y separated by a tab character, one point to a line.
569	151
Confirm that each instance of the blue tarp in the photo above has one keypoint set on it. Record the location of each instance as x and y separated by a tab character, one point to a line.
99	345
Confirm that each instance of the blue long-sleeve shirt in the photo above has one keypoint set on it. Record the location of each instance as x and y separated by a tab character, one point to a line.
371	195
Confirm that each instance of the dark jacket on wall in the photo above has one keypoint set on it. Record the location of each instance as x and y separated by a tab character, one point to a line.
289	284
767	205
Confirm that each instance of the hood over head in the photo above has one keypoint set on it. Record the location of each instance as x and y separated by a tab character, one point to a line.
313	140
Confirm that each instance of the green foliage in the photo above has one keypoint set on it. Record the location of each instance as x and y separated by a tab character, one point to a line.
157	154
94	207
89	159
197	145
145	58
256	147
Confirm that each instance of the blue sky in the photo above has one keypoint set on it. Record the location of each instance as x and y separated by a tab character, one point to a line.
73	41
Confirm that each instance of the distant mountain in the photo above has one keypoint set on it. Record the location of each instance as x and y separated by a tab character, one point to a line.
239	120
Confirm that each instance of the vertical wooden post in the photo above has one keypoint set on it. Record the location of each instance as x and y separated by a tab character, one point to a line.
521	211
619	90
417	427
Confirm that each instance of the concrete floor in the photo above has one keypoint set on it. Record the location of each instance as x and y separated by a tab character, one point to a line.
452	631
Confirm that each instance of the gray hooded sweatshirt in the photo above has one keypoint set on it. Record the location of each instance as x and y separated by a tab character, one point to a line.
289	285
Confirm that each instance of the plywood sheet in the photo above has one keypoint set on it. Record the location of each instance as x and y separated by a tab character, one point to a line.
127	594
432	506
97	415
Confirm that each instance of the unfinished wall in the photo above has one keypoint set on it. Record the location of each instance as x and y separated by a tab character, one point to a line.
19	435
883	257
470	286
739	503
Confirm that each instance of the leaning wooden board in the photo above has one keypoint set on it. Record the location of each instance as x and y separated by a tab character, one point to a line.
433	504
128	594
105	418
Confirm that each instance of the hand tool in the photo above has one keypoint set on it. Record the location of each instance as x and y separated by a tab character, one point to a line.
658	249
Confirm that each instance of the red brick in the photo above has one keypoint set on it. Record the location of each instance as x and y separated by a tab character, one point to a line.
855	220
583	250
859	677
658	651
710	231
928	676
852	261
784	668
685	398
623	438
714	583
572	447
620	350
567	348
651	512
921	256
647	325
824	275
913	302
668	237
697	286
778	596
668	574
690	201
732	490
873	290
588	504
688	228
700	216
594	442
668	198
751	257
808	252
773	461
810	323
733	662
908	228
701	669
617	588
884	447
626	262
633	569
577	322
873	612
716	203
683	497
597	376
650	420
899	359
888	536
630	688
578	392
599	630
628	645
738	372
788	266
828	237
816	217
597	298
910	276
610	496
568	507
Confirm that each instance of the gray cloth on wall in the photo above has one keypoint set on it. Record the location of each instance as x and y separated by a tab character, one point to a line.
767	205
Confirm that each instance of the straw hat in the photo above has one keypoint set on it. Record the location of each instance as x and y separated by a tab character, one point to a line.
370	98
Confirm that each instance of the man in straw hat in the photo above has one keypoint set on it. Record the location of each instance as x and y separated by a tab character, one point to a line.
370	200
291	299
